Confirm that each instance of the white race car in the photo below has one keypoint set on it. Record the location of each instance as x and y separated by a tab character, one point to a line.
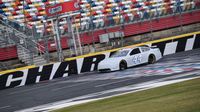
129	57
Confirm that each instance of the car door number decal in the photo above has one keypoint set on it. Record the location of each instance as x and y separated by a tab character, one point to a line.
137	59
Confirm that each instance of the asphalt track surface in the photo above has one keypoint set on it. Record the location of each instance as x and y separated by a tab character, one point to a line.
90	83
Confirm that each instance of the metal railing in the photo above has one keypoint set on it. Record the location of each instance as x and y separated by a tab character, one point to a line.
22	36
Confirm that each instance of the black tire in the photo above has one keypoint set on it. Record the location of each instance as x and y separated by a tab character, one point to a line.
123	65
152	59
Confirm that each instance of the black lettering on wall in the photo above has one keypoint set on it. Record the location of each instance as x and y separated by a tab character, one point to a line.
34	72
62	69
73	67
182	43
197	42
4	79
111	53
92	60
161	45
16	75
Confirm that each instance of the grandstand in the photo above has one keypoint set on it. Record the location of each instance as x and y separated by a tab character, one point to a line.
100	13
96	21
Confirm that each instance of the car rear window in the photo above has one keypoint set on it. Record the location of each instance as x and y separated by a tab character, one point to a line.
144	49
121	53
135	51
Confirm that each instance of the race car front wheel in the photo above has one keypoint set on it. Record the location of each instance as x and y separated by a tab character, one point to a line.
123	65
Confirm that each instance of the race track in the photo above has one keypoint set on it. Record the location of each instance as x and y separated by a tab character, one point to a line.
95	85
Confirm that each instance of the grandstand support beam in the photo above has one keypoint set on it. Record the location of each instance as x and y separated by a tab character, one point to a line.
46	45
74	37
78	38
71	38
57	40
23	3
92	31
151	29
122	38
181	24
93	43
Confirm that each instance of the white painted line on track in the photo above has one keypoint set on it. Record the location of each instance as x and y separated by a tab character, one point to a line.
106	84
4	107
177	76
70	102
71	86
28	90
146	87
130	88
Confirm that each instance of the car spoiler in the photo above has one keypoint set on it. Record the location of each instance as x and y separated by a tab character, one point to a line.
154	47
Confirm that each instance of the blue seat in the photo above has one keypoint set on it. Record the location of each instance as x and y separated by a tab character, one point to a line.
2	6
89	1
27	7
137	5
117	1
146	15
114	9
1	11
151	7
123	8
93	4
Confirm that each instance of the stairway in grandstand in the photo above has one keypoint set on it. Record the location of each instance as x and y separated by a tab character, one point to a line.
27	48
4	43
26	56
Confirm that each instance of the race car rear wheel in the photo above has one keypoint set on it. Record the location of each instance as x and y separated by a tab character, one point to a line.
123	65
152	59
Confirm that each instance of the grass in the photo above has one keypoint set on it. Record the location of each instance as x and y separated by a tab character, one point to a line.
180	97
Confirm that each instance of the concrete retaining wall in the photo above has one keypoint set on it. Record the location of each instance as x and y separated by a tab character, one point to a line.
87	63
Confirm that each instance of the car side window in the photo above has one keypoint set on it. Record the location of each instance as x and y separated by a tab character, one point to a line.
144	49
135	51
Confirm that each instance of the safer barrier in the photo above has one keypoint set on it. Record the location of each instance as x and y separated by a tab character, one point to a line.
87	63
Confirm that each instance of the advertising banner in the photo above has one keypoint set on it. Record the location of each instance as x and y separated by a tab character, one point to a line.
62	8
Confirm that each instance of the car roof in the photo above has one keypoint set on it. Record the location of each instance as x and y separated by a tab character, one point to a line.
125	49
133	48
128	49
144	46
